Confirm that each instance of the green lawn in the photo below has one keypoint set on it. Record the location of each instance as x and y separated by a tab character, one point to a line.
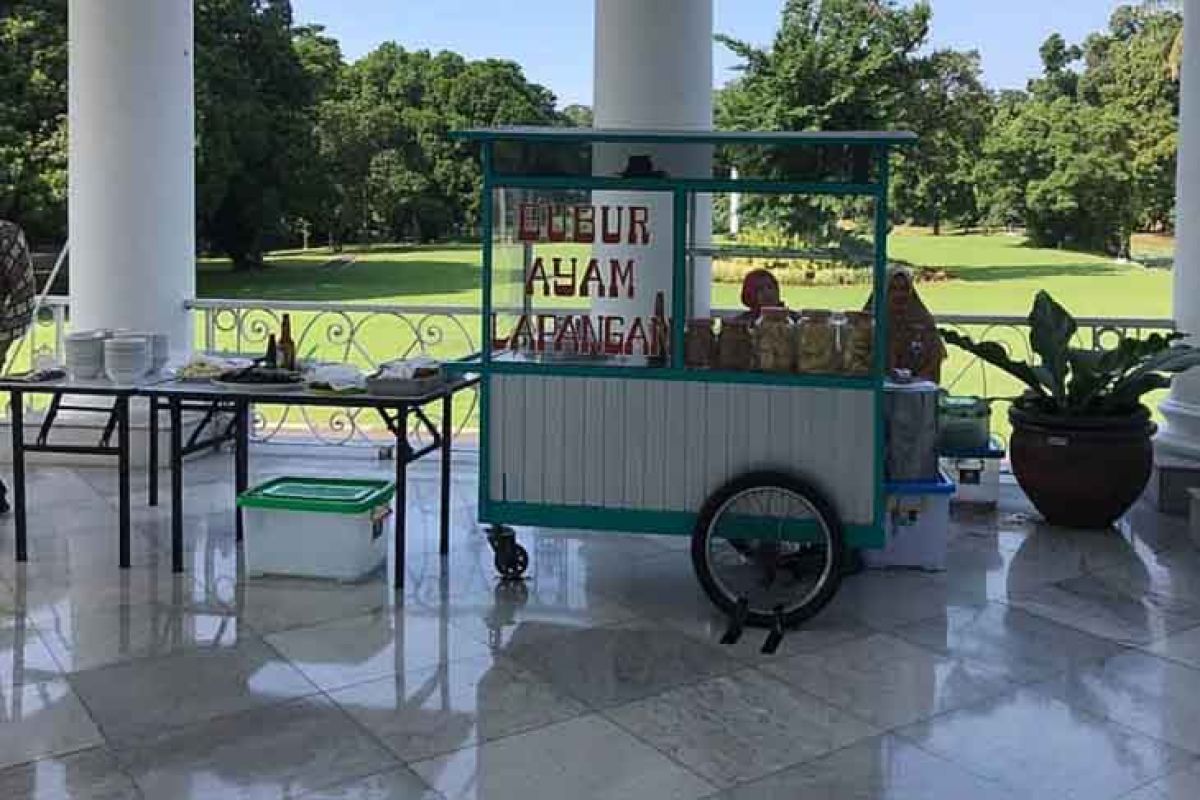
987	274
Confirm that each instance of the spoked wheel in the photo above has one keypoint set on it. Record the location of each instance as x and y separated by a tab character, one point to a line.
771	544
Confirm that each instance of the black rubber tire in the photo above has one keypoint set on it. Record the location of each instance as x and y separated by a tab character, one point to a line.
819	503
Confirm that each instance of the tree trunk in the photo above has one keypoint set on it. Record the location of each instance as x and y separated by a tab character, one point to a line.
247	261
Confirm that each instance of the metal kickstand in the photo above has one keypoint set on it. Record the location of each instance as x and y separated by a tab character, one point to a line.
737	622
775	638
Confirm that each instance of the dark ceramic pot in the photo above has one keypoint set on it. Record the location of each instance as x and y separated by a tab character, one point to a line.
1081	472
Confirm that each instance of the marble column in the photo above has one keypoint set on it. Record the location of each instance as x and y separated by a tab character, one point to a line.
1178	443
132	174
654	70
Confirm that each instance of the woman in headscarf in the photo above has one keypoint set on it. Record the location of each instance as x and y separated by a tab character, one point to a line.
916	346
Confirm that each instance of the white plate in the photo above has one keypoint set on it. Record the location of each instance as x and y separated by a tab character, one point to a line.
258	387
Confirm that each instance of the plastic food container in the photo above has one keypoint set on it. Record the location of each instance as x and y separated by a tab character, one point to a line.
403	387
317	527
817	342
964	423
775	344
735	345
917	526
699	344
859	343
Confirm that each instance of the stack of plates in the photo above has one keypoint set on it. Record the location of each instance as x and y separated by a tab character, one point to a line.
160	347
84	352
127	359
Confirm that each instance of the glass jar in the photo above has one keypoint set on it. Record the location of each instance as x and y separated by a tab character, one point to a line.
816	342
858	344
775	344
699	344
735	345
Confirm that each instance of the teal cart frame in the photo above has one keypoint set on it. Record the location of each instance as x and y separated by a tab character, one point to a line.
878	146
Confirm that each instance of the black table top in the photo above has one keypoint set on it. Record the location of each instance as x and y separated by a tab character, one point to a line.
197	391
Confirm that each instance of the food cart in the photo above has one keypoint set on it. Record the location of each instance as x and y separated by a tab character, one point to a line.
610	402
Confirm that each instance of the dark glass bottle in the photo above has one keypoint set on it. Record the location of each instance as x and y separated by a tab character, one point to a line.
287	347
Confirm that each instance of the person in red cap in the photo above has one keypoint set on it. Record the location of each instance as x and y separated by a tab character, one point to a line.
760	290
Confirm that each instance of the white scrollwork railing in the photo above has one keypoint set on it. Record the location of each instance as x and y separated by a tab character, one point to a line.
369	334
44	340
364	335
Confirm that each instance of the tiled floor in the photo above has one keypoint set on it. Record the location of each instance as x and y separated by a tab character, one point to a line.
1042	664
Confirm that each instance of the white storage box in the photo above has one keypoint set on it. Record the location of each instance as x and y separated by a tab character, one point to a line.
316	527
976	474
917	525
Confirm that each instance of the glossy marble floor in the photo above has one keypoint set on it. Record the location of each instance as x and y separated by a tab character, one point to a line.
1042	664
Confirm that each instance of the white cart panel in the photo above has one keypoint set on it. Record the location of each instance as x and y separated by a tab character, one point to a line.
667	445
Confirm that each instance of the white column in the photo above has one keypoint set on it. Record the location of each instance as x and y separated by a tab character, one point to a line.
1181	433
654	70
132	173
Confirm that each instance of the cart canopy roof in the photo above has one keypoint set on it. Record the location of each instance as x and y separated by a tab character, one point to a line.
531	133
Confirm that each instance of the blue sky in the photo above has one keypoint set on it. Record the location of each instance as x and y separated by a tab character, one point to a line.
553	38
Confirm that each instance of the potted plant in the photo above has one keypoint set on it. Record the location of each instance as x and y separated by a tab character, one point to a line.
1081	444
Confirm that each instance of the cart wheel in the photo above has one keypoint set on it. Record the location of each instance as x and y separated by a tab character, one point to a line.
511	559
773	541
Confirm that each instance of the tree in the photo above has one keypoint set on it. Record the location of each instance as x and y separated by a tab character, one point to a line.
1059	78
33	116
950	110
1128	68
1088	156
254	126
833	65
579	116
383	138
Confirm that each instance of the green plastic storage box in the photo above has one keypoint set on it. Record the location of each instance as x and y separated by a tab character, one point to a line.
317	527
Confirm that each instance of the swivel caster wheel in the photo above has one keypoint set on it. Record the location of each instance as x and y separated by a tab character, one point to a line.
511	559
511	562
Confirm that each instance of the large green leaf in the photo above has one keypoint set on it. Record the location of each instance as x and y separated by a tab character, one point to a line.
1153	373
1128	394
1051	328
1091	372
998	357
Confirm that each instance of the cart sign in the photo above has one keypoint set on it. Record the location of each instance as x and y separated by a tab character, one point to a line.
594	277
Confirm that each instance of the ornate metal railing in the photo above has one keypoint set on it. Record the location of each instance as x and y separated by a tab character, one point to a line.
44	339
365	335
369	334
